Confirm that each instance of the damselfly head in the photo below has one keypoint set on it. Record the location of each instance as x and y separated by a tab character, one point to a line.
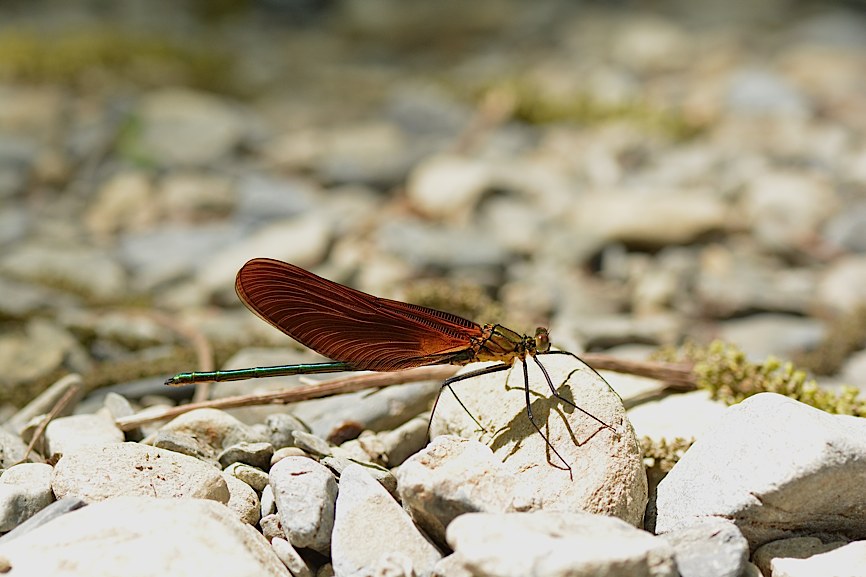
542	340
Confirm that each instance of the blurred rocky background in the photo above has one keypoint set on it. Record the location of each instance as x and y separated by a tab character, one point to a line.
630	174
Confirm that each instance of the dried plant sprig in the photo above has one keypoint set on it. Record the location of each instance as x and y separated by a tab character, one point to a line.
724	370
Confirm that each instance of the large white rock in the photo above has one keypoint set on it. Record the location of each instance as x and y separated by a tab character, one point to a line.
372	533
774	466
98	473
557	545
607	473
144	537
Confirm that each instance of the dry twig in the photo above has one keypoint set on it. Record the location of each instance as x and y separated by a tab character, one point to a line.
338	386
676	375
61	403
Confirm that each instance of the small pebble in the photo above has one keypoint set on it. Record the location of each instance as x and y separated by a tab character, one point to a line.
311	443
272	526
252	476
305	492
253	454
284	452
290	558
243	500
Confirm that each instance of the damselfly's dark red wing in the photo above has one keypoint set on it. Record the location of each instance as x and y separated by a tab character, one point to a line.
348	325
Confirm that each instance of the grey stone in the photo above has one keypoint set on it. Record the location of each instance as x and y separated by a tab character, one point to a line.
384	410
252	476
79	431
196	195
382	475
650	44
99	473
715	548
661	218
264	196
44	348
453	476
24	299
302	240
695	412
243	500
776	458
371	531
281	454
290	558
848	228
451	566
25	490
30	111
12	449
372	153
253	454
268	502
129	329
755	91
272	527
767	334
447	185
557	544
90	271
804	556
183	443
843	285
46	515
159	255
394	446
280	427
126	201
733	282
187	128
118	406
305	492
212	430
125	534
311	443
425	245
785	208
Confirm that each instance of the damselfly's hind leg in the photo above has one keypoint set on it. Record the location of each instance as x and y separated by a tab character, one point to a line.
537	428
450	381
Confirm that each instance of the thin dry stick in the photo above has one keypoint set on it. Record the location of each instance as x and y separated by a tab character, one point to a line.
338	386
676	376
55	410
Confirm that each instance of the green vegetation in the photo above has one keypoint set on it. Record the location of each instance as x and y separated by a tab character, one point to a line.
534	107
661	455
724	370
93	56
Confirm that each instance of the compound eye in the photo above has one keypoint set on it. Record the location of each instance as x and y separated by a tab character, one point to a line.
542	340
